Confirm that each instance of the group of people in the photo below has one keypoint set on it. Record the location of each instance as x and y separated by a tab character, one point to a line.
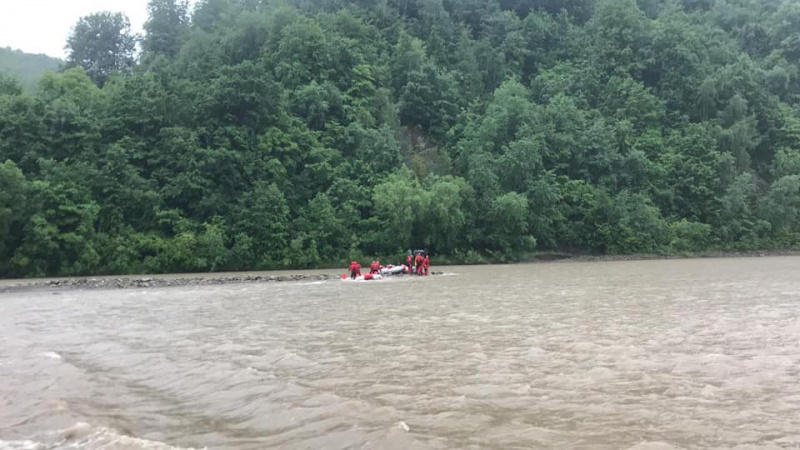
417	263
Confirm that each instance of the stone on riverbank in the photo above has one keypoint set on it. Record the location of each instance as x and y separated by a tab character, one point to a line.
149	282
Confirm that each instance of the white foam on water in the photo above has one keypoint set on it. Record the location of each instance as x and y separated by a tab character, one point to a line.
653	446
291	359
312	283
21	445
104	438
51	355
84	436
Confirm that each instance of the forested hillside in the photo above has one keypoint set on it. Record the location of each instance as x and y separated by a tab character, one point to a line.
26	67
259	134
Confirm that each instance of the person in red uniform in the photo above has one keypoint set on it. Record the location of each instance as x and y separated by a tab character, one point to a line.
355	269
418	263
426	265
375	267
409	261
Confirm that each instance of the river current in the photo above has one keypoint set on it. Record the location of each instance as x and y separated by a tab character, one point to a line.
622	355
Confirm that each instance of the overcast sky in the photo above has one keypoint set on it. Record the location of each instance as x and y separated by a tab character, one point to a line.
42	26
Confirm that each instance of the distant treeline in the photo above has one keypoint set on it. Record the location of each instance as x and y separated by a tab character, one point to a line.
251	134
25	67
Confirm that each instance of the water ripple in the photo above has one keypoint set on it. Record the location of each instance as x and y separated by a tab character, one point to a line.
631	355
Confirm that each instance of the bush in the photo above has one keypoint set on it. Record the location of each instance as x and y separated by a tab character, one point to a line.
686	236
631	224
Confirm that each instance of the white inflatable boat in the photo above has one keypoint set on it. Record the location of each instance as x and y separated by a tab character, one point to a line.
395	270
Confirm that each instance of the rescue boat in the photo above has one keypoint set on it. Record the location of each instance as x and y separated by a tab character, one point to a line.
393	270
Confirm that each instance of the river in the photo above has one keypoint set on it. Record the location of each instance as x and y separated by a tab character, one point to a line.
620	355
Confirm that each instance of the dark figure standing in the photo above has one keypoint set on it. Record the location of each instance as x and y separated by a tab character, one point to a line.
355	270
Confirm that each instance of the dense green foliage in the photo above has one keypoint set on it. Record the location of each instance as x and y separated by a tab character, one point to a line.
25	67
102	44
258	134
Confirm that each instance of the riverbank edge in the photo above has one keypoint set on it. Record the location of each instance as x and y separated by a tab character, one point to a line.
569	257
165	280
161	281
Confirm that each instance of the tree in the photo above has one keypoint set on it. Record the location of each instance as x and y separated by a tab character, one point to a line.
9	85
319	234
696	173
23	130
167	20
447	218
102	43
620	33
59	235
429	100
264	134
264	219
378	149
509	215
13	191
400	207
739	223
629	223
782	206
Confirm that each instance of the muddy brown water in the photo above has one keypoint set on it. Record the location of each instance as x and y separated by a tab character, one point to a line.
641	355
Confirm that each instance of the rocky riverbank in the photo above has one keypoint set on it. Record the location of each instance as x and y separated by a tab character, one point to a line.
160	282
